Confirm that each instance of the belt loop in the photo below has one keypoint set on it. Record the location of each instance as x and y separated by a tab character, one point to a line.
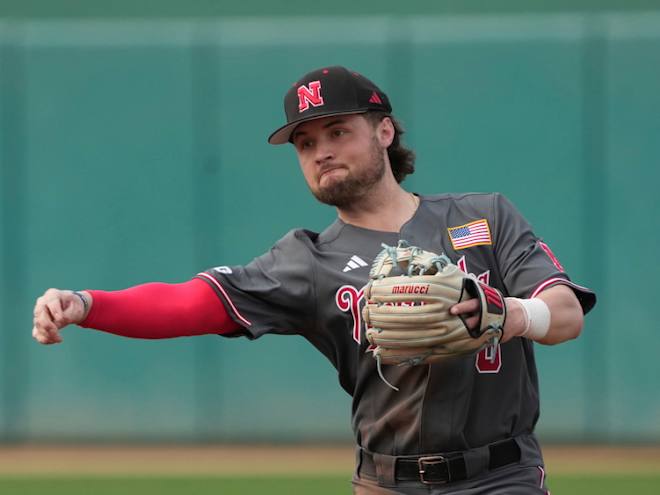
358	460
385	466
476	461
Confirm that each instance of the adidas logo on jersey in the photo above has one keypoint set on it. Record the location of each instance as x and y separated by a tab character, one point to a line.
353	263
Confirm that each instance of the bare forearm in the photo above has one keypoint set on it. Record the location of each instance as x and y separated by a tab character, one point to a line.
566	317
566	313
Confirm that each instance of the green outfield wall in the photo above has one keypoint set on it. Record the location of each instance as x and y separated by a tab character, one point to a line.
134	149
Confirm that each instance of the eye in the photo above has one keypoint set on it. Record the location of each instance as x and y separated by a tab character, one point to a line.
338	132
303	144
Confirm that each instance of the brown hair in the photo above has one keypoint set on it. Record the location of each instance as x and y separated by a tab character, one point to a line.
402	159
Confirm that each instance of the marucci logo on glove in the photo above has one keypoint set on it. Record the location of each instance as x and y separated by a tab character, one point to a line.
410	289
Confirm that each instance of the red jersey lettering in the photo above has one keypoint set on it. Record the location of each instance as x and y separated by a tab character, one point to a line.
348	299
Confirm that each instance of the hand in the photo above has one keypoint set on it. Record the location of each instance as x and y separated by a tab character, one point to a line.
469	310
514	324
516	319
55	310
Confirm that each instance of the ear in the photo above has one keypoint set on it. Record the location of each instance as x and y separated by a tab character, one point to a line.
385	132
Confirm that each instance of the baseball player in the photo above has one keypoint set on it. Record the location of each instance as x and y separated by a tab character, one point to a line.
458	424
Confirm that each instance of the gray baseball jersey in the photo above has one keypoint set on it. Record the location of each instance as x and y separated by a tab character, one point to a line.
312	284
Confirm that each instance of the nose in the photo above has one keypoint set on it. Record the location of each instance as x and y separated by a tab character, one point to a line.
324	153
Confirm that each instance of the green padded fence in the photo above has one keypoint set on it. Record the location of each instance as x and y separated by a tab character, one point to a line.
135	150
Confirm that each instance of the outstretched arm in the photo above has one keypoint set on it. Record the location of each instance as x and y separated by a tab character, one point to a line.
149	311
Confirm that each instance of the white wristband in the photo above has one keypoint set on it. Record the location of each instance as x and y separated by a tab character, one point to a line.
538	318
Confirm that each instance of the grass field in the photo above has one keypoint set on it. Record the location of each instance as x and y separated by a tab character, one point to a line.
320	485
278	470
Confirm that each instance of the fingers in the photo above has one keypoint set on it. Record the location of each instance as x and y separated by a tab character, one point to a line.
468	310
49	317
469	306
472	322
54	307
45	331
44	337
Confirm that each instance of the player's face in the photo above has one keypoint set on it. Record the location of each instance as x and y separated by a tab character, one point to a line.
341	157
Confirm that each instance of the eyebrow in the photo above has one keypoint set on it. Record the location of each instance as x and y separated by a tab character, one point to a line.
329	124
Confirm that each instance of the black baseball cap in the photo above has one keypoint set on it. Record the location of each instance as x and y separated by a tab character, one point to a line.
328	91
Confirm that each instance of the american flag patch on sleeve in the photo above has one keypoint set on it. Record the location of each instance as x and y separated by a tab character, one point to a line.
475	233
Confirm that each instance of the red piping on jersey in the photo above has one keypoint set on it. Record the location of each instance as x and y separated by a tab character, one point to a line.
217	284
159	311
542	476
554	280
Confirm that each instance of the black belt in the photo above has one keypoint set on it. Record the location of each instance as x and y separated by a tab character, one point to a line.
445	468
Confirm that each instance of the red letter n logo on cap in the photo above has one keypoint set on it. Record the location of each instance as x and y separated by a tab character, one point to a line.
309	95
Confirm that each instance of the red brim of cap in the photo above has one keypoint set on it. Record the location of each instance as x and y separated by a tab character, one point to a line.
283	134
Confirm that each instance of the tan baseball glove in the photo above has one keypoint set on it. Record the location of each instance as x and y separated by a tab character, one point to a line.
407	314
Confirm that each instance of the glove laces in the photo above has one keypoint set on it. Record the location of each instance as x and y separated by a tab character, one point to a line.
382	377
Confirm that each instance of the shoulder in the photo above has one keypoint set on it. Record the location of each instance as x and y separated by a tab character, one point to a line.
292	253
296	239
477	202
477	198
314	244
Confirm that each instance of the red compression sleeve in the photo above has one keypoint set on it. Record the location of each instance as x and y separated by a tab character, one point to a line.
160	311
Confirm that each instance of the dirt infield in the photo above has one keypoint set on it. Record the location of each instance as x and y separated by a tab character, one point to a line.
227	460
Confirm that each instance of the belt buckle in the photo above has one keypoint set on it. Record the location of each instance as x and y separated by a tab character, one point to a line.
432	460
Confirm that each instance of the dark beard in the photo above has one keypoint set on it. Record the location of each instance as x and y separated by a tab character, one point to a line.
345	192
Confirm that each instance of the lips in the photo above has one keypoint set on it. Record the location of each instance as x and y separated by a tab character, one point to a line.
328	170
